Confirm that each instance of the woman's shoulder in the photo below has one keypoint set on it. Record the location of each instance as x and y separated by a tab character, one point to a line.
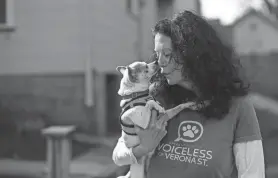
241	105
238	105
241	101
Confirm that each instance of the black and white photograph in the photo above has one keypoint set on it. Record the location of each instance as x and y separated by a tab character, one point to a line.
138	88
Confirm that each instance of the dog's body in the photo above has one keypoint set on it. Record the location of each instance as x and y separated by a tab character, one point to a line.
137	105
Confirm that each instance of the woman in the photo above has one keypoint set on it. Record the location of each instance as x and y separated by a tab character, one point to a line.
221	139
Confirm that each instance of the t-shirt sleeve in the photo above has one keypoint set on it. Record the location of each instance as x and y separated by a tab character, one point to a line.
247	126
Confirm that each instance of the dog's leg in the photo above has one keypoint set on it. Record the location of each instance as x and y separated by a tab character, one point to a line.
154	105
174	111
125	176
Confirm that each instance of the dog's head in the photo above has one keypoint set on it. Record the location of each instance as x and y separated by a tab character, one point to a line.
136	77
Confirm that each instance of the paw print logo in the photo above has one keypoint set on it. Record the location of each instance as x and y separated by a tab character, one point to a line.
189	131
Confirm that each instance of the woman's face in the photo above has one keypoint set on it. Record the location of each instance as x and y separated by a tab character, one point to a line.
169	68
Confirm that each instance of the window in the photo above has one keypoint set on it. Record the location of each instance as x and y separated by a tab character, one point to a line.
6	15
164	8
2	12
128	5
132	6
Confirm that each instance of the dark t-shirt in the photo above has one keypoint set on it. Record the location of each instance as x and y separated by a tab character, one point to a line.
198	148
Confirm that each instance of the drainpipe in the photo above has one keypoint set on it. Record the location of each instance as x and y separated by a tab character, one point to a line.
139	34
138	18
89	87
88	73
199	7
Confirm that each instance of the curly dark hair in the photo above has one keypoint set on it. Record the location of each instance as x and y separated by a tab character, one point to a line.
210	64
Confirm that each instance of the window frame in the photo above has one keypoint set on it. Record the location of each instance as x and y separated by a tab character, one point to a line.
10	24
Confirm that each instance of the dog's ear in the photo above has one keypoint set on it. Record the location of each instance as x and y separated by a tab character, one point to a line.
131	75
121	69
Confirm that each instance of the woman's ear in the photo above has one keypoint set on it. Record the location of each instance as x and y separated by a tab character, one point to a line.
121	69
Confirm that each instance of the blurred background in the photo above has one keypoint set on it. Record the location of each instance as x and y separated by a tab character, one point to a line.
58	60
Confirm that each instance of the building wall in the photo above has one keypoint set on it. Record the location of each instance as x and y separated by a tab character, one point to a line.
149	19
56	99
255	36
43	60
57	36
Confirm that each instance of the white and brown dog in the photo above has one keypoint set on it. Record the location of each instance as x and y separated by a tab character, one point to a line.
137	105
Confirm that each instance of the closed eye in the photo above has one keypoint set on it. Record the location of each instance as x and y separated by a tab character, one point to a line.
167	55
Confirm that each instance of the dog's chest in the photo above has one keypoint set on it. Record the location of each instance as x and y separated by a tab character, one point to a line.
133	112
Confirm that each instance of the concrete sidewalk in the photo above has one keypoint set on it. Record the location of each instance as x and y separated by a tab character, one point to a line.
95	163
39	169
88	168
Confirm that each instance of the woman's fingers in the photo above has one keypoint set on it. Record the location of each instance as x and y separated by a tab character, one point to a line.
162	120
150	137
137	129
161	134
153	118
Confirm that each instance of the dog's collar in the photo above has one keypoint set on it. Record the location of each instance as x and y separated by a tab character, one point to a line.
136	95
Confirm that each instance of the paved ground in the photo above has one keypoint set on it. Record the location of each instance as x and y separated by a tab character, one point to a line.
38	169
95	163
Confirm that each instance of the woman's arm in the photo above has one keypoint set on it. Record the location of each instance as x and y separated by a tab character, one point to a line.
248	148
249	159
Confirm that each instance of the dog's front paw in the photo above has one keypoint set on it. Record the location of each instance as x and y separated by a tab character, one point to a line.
154	105
160	109
151	104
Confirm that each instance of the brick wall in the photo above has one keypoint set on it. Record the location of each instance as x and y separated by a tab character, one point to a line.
57	99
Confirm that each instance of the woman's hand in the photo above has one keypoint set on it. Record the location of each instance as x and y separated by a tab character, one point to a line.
151	137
